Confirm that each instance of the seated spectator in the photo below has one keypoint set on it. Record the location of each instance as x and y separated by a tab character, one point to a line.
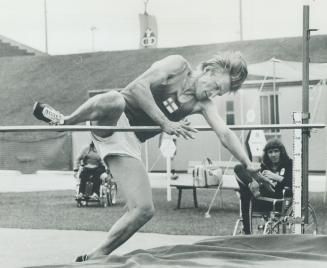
275	175
89	167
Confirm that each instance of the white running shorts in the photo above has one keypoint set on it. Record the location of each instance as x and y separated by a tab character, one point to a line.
119	143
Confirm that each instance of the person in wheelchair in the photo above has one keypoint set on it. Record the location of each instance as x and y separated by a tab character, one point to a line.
89	168
274	177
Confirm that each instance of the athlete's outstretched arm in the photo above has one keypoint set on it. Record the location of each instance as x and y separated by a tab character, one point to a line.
226	136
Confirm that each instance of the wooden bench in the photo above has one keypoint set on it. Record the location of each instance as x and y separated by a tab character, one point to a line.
185	181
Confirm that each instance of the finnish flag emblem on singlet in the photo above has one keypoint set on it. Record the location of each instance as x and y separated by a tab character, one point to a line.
170	105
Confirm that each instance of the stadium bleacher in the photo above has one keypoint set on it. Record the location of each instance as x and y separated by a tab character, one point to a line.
11	48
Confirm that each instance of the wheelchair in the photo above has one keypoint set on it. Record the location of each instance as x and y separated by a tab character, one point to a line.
278	220
108	192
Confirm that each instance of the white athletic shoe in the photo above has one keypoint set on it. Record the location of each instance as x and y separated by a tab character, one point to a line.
46	113
82	258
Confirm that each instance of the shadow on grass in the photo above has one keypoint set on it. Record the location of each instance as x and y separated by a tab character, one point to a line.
58	210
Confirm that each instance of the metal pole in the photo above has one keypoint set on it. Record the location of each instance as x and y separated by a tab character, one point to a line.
42	128
146	149
168	177
241	114
45	26
241	20
274	95
325	193
93	29
305	110
145	6
325	152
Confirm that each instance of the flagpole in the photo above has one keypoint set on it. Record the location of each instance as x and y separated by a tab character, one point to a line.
145	7
241	20
45	26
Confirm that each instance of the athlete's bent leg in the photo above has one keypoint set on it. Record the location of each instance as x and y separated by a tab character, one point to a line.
102	109
134	183
105	108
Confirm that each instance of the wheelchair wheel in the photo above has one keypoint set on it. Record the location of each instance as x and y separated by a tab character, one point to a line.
104	199
258	224
312	226
113	192
103	196
275	226
238	228
106	196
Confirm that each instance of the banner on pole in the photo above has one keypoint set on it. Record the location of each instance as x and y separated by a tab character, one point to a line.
148	31
256	142
168	146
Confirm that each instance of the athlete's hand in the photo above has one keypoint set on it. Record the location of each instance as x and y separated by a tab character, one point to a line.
181	128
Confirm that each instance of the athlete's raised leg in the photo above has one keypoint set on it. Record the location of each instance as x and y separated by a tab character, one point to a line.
102	109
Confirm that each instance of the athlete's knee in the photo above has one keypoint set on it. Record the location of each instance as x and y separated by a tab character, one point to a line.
145	212
117	100
111	102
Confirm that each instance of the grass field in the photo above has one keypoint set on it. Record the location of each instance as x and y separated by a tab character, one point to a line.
58	210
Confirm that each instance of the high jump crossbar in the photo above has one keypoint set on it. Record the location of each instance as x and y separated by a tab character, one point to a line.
34	128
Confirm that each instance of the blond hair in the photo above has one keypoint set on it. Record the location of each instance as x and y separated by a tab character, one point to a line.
231	62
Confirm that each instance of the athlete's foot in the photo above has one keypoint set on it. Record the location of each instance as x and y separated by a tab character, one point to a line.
96	253
47	114
82	258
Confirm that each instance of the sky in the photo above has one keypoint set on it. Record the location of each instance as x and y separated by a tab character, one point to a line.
180	22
